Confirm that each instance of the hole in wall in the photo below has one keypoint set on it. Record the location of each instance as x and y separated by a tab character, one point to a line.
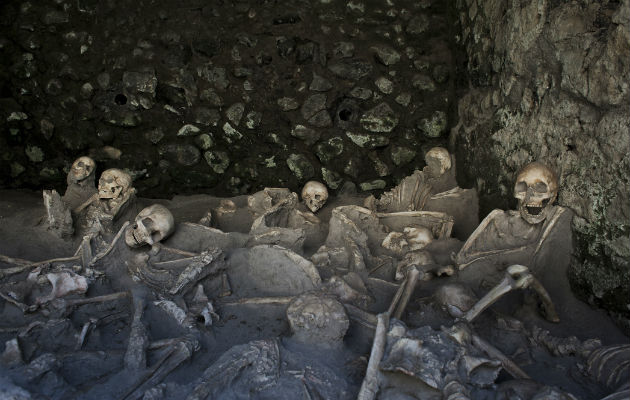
120	99
345	114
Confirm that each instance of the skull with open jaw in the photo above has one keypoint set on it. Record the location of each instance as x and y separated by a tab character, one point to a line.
536	189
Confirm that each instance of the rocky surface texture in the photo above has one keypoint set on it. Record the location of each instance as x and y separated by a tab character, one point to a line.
224	97
550	82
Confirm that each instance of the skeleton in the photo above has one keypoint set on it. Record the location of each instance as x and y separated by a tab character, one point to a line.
82	171
275	368
440	170
152	225
536	188
314	195
80	188
115	195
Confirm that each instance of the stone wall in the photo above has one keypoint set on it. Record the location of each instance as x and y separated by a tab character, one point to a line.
225	97
550	81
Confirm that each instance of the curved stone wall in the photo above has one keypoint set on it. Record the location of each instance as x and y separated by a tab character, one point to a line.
550	81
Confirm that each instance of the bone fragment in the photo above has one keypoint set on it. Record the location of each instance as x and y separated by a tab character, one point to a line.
397	296
259	300
86	203
178	263
412	278
14	261
135	357
96	299
84	331
549	226
516	277
509	365
226	289
86	251
12	355
370	384
197	270
548	307
178	251
24	265
178	353
363	317
16	303
109	248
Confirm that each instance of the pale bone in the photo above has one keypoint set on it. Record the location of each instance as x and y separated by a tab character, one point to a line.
113	184
438	160
24	265
109	248
84	331
86	251
395	242
12	355
413	258
550	225
536	188
180	350
317	318
135	358
226	289
412	278
462	334
63	284
152	225
516	277
370	384
226	206
461	257
268	198
181	276
174	311
178	251
86	203
202	306
418	237
610	365
82	168
314	195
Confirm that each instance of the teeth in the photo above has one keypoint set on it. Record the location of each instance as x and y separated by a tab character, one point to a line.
534	210
133	233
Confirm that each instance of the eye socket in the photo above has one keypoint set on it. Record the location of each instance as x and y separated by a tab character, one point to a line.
147	222
520	187
540	187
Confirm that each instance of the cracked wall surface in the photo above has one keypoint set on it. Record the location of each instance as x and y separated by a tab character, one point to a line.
549	81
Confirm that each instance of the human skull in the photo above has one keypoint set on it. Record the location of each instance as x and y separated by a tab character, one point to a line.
152	224
438	160
318	319
536	189
418	237
314	195
113	183
82	168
